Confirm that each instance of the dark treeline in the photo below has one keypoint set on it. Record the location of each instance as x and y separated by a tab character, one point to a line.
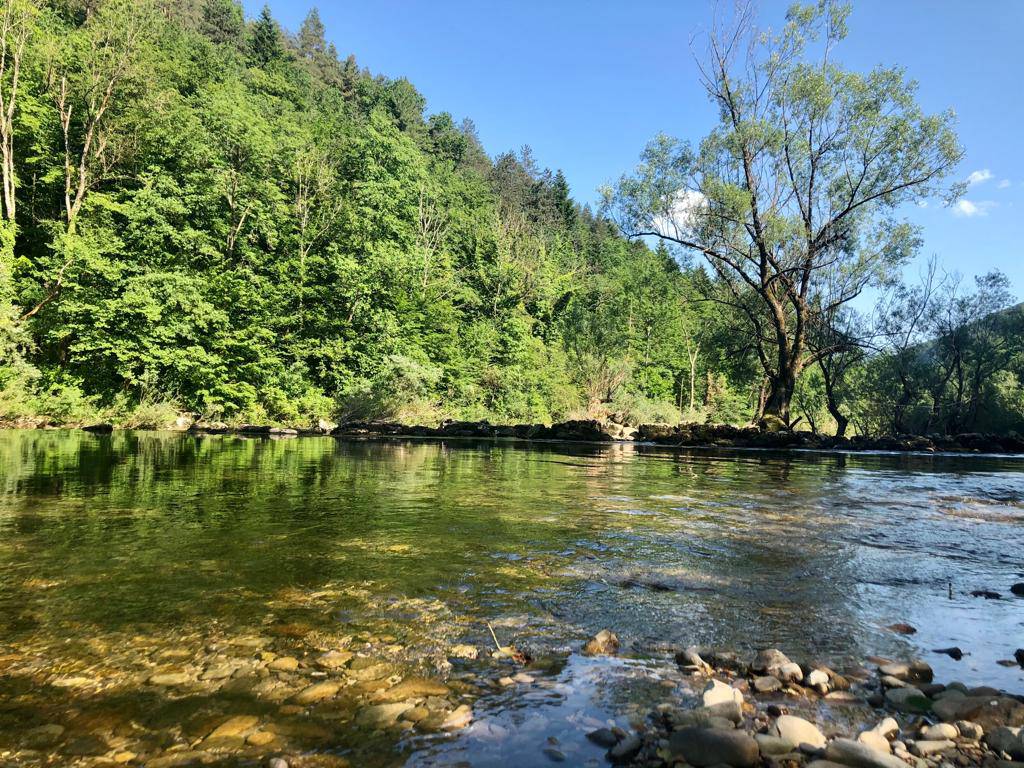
210	214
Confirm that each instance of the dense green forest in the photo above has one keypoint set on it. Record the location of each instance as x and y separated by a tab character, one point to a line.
214	215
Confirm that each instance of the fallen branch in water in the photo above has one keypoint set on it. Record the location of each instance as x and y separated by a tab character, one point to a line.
508	651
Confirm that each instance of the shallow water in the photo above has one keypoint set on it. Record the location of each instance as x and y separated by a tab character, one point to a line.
122	555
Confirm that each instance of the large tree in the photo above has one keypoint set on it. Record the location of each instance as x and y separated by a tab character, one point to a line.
796	191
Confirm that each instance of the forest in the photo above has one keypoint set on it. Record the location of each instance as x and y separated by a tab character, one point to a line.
211	215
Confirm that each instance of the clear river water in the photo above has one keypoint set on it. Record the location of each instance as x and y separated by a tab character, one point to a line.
148	581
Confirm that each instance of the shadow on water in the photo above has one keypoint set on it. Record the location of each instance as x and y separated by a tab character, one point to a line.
118	549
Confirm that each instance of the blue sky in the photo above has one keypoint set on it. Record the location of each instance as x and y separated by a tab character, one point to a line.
587	84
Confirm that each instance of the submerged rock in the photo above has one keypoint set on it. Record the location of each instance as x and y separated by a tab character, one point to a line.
334	659
902	629
604	643
463	651
234	726
626	750
415	687
380	715
284	664
169	679
459	718
316	692
603	737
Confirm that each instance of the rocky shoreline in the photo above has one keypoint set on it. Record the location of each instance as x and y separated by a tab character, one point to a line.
594	431
743	718
289	698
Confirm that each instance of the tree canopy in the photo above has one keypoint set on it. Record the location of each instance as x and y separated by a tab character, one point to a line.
216	215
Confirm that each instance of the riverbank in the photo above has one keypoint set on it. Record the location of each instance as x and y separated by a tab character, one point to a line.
593	431
772	711
288	697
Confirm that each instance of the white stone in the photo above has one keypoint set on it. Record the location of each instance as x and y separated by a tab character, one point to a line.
939	732
875	741
718	692
798	731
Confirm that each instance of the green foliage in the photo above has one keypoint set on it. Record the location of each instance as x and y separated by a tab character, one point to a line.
256	229
232	221
793	197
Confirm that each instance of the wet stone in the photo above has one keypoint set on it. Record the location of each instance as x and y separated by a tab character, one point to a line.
907	700
914	671
88	745
415	687
767	684
284	664
554	755
372	670
43	736
626	749
705	747
604	643
169	679
235	726
334	659
316	692
381	714
416	714
459	718
603	737
463	651
219	672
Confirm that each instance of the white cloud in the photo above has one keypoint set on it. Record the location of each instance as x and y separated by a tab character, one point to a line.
970	208
1004	184
977	177
681	216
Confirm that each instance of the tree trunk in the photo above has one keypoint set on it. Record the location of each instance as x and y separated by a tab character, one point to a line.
780	394
831	403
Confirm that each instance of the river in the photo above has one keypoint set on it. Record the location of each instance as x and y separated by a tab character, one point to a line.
204	559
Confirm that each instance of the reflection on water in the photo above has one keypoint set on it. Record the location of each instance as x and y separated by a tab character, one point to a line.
164	541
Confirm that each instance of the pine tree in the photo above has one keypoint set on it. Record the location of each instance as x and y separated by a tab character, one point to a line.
312	41
222	21
265	44
564	203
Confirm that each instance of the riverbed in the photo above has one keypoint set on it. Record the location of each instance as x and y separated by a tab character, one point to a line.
150	581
